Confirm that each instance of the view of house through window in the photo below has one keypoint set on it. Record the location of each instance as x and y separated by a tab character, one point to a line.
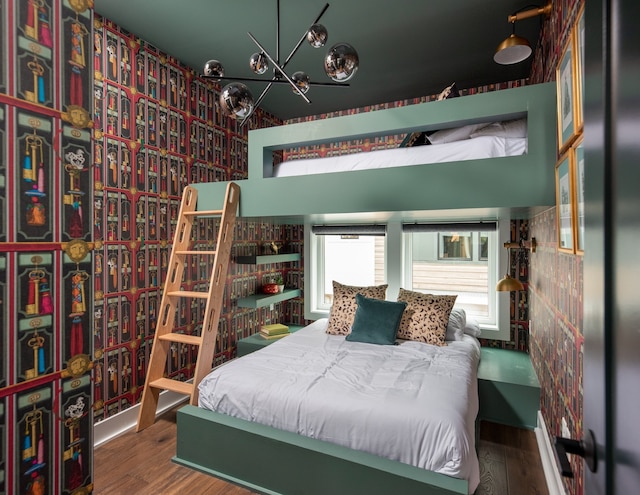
453	263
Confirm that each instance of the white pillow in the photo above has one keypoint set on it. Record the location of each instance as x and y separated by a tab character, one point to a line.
455	134
457	322
472	328
508	129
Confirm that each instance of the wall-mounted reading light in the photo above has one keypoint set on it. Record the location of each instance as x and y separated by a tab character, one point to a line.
508	283
515	48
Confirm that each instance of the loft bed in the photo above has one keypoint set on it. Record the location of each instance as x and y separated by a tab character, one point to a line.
510	182
269	460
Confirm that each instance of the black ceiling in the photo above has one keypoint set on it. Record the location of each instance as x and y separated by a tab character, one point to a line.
407	48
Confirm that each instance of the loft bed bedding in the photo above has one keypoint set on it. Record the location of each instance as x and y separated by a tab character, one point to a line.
420	187
413	403
477	148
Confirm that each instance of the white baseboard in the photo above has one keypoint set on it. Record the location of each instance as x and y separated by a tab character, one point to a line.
126	420
551	473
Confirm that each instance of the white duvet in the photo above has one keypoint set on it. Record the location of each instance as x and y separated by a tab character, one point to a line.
413	402
468	149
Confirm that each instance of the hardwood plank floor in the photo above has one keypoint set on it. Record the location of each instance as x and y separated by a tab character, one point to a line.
140	463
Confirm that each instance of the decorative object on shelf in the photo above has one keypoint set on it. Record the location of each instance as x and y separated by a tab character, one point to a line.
279	281
340	63
515	48
270	288
508	283
274	247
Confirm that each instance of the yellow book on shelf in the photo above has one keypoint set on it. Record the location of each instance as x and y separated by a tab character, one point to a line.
276	336
274	329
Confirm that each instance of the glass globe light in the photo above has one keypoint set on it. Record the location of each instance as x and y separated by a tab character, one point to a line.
213	68
259	63
341	62
317	35
236	100
302	81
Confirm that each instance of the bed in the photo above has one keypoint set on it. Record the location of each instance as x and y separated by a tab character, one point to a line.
420	187
360	418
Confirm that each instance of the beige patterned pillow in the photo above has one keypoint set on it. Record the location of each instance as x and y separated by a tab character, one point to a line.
343	309
426	317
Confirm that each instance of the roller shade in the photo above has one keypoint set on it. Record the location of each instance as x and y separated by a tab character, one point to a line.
490	226
349	229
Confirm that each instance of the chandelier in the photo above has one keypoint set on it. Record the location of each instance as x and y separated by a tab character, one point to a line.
340	64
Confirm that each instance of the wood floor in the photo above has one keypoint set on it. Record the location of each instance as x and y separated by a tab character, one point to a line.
140	463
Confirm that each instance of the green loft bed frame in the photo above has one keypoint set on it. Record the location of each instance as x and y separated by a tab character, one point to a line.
508	182
267	460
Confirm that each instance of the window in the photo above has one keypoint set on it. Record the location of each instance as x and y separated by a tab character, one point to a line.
450	262
429	258
349	258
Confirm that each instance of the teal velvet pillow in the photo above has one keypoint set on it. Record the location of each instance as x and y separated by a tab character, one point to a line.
376	321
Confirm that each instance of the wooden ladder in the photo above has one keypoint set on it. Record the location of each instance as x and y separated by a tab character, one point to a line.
165	337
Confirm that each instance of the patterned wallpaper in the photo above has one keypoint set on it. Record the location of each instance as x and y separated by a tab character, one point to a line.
46	76
556	284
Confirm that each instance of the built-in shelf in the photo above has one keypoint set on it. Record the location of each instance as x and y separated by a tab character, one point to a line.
257	259
260	300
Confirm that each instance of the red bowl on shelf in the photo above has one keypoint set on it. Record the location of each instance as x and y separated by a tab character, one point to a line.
270	288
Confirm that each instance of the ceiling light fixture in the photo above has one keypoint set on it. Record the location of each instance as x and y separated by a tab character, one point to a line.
508	283
340	64
515	48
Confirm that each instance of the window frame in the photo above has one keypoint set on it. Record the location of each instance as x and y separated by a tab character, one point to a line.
396	262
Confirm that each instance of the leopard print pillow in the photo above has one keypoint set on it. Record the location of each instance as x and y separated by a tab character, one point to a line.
343	309
426	317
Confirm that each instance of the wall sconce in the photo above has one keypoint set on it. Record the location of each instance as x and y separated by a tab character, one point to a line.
509	284
515	48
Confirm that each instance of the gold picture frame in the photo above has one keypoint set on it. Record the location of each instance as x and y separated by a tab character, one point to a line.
565	210
578	46
577	152
566	92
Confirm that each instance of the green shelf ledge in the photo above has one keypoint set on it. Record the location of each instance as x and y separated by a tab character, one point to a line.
260	300
257	259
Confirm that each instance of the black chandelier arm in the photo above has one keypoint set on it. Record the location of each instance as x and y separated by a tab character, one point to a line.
271	81
293	52
279	69
304	36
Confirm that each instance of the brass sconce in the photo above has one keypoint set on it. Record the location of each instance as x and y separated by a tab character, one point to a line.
508	283
515	48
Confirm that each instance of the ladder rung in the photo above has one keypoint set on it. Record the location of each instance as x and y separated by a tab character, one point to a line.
181	338
207	253
201	213
173	385
189	293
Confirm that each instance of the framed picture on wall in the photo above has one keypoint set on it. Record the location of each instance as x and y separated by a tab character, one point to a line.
577	151
564	203
578	42
565	81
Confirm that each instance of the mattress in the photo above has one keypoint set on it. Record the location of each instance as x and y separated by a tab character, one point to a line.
468	149
414	403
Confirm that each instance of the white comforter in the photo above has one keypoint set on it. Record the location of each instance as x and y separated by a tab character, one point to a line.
414	403
468	149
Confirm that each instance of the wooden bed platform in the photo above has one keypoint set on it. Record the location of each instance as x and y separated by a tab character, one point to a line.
271	461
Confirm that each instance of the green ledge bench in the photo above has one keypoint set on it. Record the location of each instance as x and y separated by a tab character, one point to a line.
508	388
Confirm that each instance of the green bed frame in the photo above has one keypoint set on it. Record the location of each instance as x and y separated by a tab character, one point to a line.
271	461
